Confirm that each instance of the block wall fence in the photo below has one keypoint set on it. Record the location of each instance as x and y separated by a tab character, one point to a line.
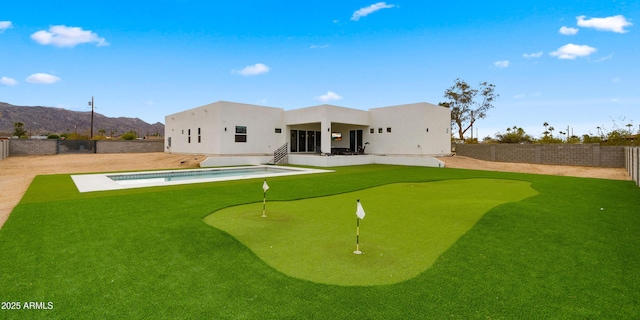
30	147
632	163
590	155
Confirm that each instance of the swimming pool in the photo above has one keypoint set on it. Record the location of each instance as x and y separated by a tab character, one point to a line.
115	181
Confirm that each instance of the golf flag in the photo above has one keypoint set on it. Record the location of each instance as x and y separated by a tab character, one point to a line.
265	186
359	210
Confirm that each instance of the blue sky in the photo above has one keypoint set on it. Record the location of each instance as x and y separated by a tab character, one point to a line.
568	63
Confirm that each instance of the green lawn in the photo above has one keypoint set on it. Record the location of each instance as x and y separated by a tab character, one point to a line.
408	226
148	253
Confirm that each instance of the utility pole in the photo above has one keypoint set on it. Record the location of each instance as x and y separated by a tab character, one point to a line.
91	104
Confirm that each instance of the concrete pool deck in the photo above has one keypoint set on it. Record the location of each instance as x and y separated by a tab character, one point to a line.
102	182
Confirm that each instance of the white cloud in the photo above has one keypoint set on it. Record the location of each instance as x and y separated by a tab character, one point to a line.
613	24
319	46
615	80
8	81
329	97
605	58
502	63
519	96
567	31
571	51
63	36
253	70
4	25
533	55
42	78
363	12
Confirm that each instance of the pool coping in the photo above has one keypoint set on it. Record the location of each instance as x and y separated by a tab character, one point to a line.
102	182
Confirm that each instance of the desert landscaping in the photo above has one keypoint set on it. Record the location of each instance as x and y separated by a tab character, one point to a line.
18	172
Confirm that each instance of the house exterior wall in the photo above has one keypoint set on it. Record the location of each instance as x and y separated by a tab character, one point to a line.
217	123
416	129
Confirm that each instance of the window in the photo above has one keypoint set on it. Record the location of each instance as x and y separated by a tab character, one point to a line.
241	134
371	130
278	130
379	130
388	129
199	139
188	135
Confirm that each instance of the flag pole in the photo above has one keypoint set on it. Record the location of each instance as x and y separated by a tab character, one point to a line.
360	215
264	204
264	198
357	237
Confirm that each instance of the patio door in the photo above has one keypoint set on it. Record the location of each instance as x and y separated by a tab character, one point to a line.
305	141
302	141
355	140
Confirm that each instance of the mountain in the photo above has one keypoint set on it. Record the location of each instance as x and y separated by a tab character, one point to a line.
47	120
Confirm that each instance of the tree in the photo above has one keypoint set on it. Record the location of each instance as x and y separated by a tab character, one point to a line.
468	104
547	135
131	135
514	135
18	129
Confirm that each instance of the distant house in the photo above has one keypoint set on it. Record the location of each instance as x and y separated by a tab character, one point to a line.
229	129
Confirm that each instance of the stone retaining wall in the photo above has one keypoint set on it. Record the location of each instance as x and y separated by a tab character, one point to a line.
29	147
590	155
129	146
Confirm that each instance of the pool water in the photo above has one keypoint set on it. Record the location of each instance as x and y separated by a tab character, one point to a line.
195	174
125	180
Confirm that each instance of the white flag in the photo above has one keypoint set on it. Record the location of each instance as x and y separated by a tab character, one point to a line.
360	211
265	186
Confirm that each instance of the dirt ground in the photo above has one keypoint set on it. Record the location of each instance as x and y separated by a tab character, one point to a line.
16	173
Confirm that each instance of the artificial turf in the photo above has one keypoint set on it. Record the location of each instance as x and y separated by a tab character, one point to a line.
147	253
408	226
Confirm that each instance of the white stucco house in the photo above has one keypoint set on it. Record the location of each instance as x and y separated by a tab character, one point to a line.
325	135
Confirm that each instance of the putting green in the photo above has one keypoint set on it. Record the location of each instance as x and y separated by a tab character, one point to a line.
406	227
